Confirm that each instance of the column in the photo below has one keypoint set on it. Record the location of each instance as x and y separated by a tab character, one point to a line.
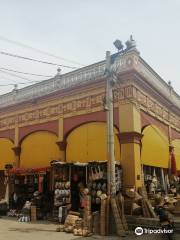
130	140
17	152
16	148
61	142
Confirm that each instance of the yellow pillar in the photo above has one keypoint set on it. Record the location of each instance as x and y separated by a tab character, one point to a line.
130	140
61	142
16	148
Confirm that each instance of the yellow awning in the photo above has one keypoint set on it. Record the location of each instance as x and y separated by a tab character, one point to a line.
39	149
155	148
6	152
88	143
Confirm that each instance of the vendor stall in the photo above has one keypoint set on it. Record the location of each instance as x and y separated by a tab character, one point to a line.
80	191
29	187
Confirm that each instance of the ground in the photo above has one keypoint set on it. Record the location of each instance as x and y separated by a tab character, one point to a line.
10	229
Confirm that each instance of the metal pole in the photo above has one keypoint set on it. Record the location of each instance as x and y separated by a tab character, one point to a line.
110	128
163	181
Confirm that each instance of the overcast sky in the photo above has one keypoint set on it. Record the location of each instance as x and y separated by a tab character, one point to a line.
82	30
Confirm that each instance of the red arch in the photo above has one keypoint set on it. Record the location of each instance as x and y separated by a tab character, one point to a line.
8	134
74	122
48	126
147	120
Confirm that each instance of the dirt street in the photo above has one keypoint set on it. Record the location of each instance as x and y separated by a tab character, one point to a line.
10	229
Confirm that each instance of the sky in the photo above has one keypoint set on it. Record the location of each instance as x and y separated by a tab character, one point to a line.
81	31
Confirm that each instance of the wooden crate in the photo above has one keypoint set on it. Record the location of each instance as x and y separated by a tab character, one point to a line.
33	213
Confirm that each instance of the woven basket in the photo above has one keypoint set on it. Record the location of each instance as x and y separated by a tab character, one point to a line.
130	192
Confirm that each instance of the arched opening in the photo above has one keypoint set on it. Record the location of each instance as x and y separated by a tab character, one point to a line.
38	149
6	157
155	147
6	152
88	142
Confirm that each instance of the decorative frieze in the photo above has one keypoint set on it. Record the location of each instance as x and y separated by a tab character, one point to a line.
152	106
89	103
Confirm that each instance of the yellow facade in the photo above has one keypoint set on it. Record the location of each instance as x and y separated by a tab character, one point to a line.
89	143
155	147
6	152
176	144
39	149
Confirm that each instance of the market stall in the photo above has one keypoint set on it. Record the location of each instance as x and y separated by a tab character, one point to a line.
28	188
80	192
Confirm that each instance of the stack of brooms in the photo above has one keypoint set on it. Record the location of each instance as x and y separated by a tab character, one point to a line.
138	203
147	209
116	206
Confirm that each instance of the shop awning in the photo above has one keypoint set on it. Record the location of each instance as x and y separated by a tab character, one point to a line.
29	170
88	143
155	147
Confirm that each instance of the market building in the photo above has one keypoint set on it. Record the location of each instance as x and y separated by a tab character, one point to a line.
64	119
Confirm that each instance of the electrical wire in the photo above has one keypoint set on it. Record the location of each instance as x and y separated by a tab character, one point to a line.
40	51
18	83
35	60
4	78
15	75
33	74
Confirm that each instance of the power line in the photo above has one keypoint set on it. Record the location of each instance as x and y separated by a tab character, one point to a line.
8	79
40	51
33	74
35	60
15	75
18	83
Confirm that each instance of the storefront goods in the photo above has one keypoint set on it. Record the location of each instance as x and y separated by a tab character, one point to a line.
71	220
103	218
146	205
107	215
12	213
130	192
120	202
24	219
118	221
82	232
96	222
136	209
62	214
33	213
87	222
176	211
25	213
60	228
62	193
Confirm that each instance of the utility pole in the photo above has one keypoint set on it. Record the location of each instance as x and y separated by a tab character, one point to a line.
110	127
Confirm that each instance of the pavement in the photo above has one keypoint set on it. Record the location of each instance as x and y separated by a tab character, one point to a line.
10	229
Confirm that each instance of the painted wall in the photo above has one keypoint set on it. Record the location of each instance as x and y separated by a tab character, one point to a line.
155	147
6	152
89	143
38	149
